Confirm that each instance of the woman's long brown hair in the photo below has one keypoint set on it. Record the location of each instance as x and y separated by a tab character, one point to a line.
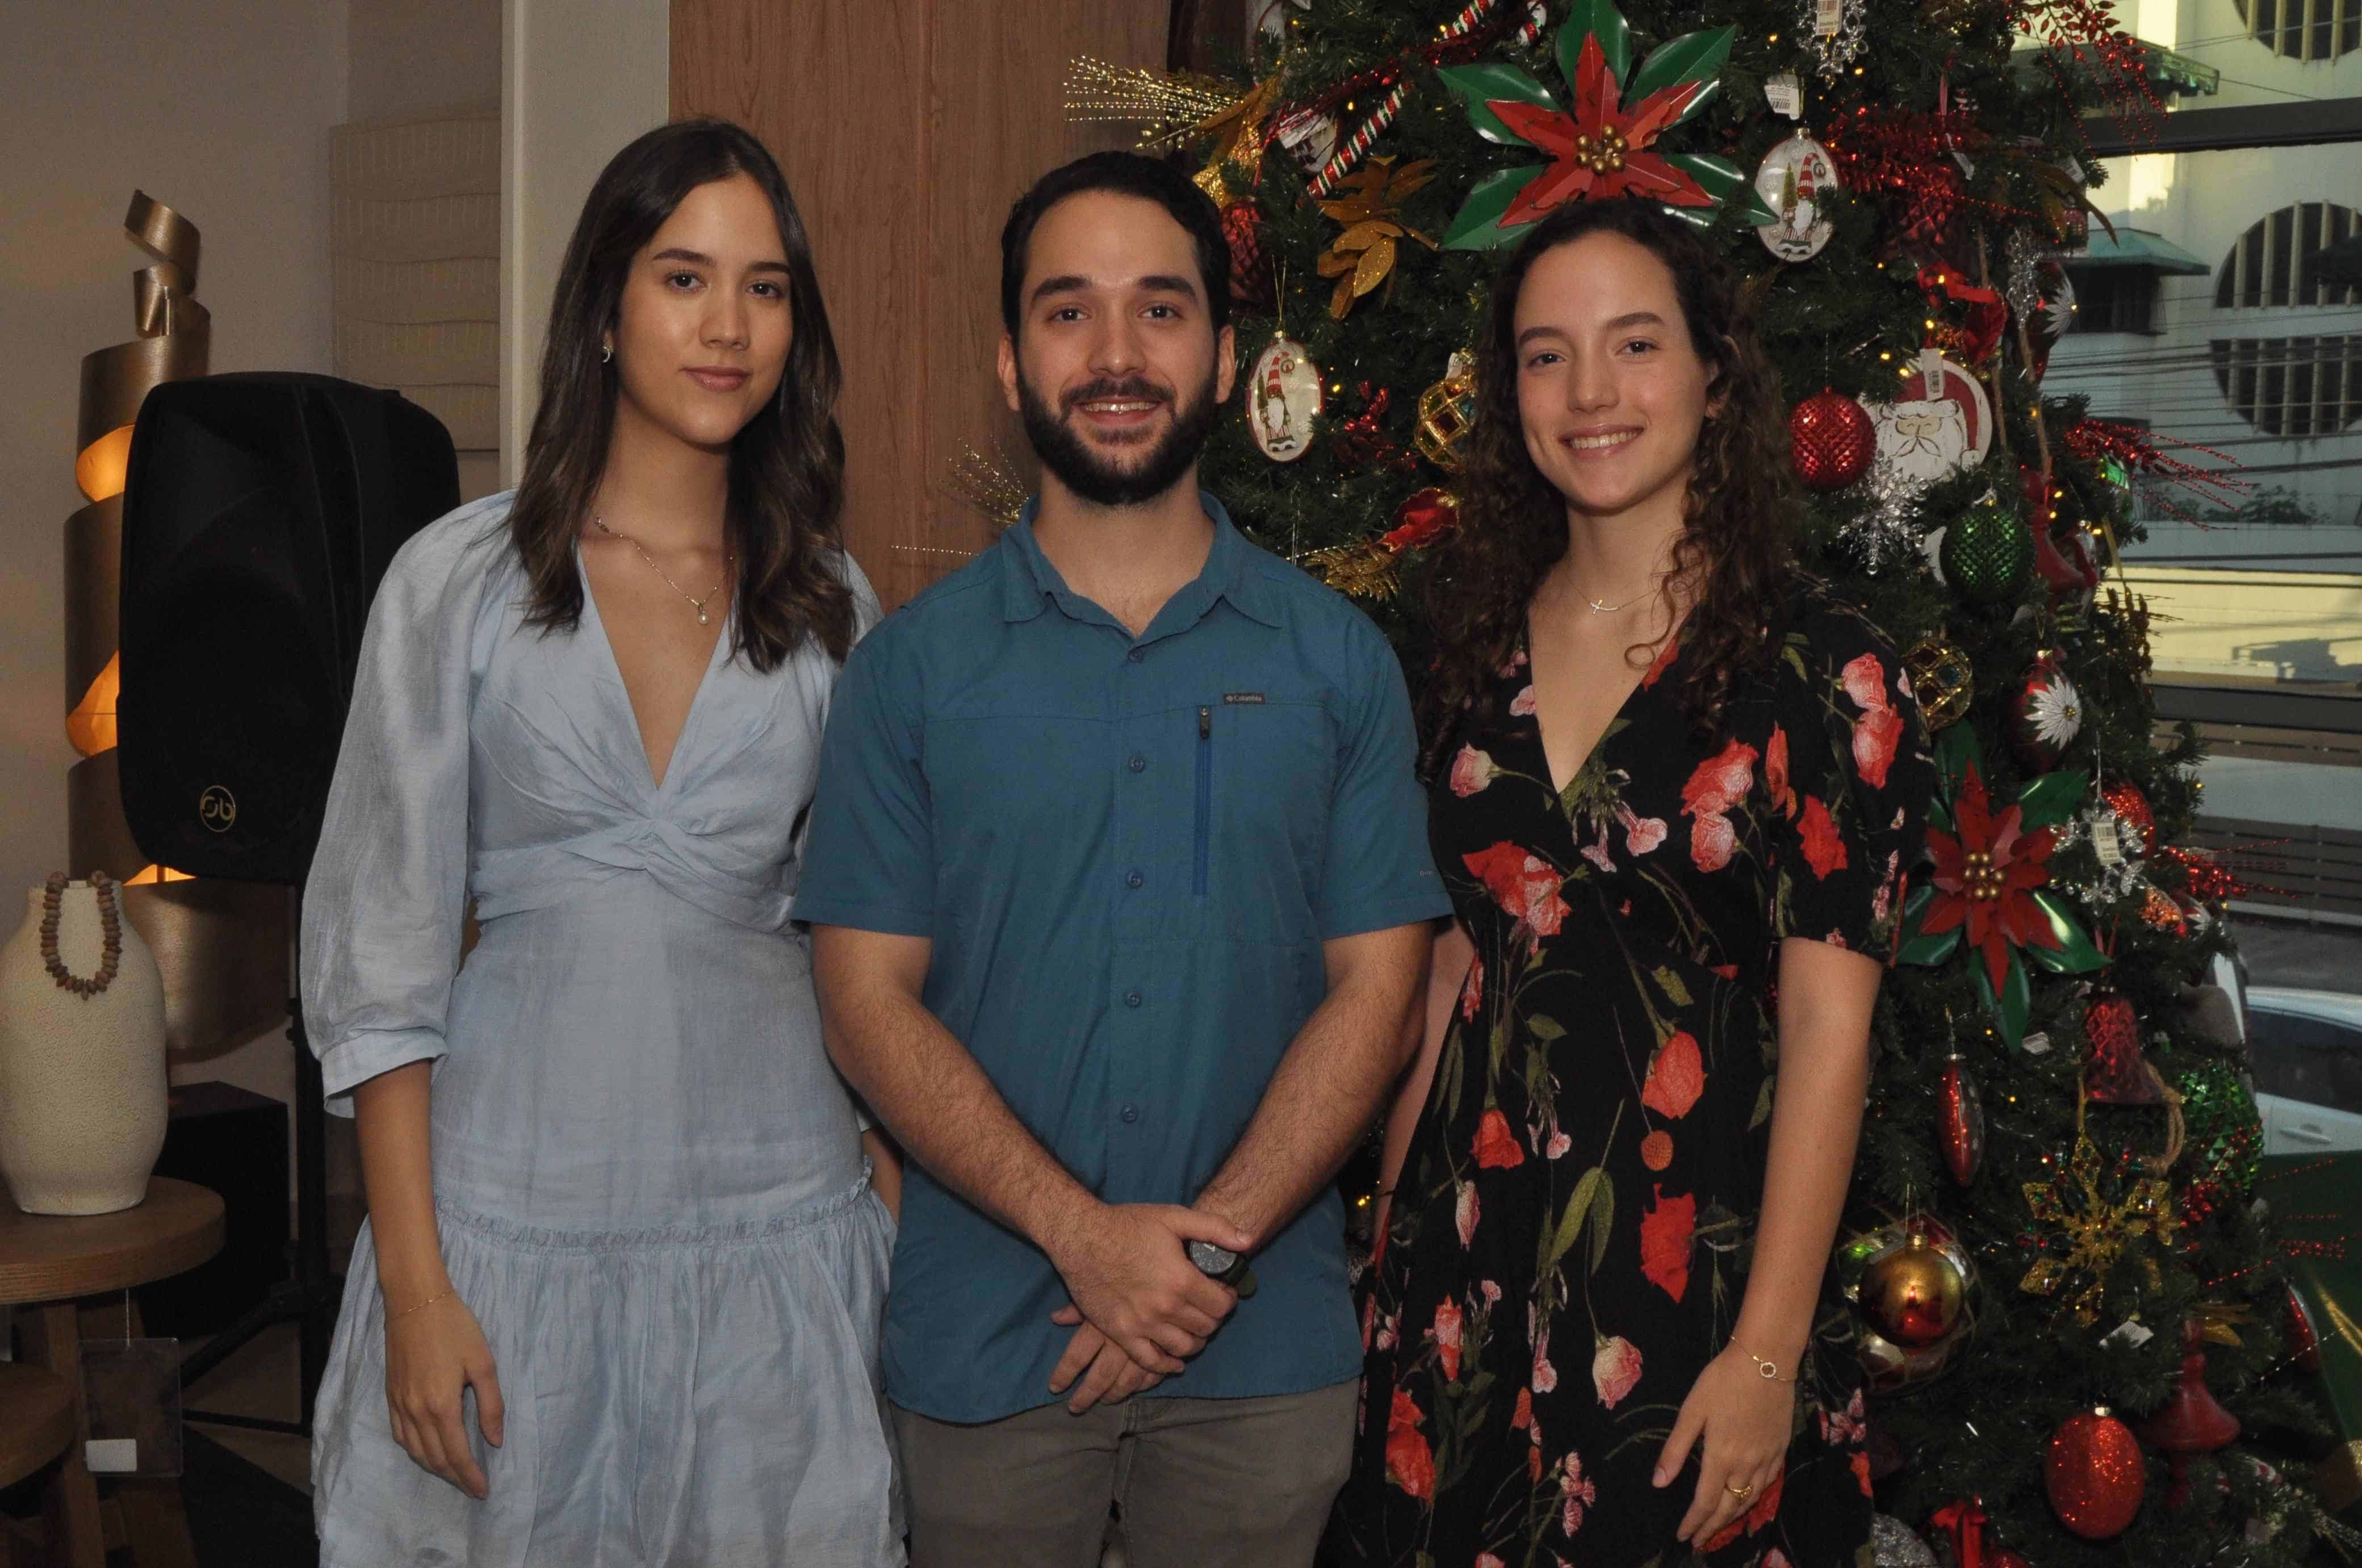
787	467
1734	555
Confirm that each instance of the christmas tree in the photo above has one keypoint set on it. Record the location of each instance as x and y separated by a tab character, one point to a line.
2070	1317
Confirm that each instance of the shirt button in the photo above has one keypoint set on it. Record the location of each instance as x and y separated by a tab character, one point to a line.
1136	654
1139	764
1133	880
1130	1113
1132	999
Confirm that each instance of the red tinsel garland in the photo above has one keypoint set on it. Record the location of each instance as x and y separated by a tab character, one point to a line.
2087	29
1905	161
2142	452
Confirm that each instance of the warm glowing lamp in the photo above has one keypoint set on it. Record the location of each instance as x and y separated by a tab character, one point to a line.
99	470
91	725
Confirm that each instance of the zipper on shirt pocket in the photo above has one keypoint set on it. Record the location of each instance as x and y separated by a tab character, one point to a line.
1204	844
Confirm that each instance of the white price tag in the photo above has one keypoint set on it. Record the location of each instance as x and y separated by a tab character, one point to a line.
2108	840
110	1456
1829	15
1787	95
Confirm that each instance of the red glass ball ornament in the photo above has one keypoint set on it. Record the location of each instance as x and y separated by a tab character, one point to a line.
1961	1121
2125	799
2114	1070
2094	1474
1830	440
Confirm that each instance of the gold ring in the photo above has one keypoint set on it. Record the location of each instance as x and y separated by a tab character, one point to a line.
1739	1492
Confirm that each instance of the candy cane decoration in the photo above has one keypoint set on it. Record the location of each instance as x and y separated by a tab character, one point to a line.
1349	151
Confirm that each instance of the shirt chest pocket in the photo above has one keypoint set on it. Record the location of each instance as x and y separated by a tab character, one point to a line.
1264	774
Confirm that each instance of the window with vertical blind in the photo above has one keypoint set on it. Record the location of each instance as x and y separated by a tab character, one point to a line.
2304	30
2270	265
2290	383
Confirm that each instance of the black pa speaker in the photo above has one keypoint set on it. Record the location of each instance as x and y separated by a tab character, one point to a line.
259	514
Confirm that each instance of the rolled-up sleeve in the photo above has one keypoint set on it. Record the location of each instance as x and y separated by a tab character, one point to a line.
387	894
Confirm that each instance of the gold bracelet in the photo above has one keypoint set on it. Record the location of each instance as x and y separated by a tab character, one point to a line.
421	1307
1769	1370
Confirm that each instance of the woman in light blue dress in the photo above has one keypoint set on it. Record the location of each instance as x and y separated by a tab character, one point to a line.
618	1300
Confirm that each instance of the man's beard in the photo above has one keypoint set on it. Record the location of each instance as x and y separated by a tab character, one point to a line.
1085	471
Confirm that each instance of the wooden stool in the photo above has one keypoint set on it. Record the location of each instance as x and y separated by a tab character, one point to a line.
37	1425
46	1262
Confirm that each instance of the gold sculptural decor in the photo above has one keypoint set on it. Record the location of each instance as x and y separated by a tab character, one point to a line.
221	945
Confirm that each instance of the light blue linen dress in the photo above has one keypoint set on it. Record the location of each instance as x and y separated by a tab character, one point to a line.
649	1179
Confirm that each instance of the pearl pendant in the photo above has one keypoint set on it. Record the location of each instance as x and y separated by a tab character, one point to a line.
701	615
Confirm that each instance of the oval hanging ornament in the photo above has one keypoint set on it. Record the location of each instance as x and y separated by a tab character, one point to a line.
1939	423
1796	181
1961	1121
2094	1474
1283	399
2045	714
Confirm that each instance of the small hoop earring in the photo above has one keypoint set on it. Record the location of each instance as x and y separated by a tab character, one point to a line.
606	352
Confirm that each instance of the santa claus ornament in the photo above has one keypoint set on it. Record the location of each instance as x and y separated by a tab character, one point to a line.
1939	423
1283	399
1796	180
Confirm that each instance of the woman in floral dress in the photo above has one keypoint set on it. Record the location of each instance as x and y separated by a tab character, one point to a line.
1675	790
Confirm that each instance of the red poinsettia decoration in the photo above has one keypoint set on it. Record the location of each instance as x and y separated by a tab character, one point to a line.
1991	884
1600	149
1605	144
1985	877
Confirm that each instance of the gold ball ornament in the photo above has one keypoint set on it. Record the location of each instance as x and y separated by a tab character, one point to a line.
1914	1294
1911	1282
1446	410
1942	679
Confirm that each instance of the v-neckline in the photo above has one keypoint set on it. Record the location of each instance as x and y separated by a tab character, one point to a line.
655	781
1656	666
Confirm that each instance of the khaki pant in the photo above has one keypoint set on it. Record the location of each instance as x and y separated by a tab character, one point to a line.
1195	1483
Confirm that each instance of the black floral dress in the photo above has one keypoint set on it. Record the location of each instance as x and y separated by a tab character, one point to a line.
1571	1232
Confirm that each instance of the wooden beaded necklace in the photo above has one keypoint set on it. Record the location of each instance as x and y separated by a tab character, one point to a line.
110	925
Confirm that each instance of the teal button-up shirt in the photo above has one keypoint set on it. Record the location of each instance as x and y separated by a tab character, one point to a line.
1127	852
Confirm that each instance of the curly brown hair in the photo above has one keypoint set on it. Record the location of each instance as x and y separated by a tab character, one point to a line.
1736	554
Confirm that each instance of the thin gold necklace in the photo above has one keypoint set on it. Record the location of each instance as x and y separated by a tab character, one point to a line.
1600	607
697	604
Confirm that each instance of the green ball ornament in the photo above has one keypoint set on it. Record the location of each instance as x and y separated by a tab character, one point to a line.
2222	1129
1987	553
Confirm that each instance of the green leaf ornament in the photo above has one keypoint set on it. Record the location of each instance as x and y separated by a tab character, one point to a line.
1602	19
1693	57
1478	225
2052	798
1916	946
2009	1008
1478	85
2075	953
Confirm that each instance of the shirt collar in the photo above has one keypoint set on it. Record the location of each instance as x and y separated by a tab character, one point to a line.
1228	573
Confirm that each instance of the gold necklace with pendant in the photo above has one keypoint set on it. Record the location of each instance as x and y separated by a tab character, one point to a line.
695	603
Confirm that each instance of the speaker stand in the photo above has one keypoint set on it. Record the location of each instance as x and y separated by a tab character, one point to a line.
310	1296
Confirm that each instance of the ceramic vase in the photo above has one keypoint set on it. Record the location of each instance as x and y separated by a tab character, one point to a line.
82	1078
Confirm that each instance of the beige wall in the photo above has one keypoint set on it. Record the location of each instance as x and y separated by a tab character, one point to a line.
220	109
581	78
411	59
